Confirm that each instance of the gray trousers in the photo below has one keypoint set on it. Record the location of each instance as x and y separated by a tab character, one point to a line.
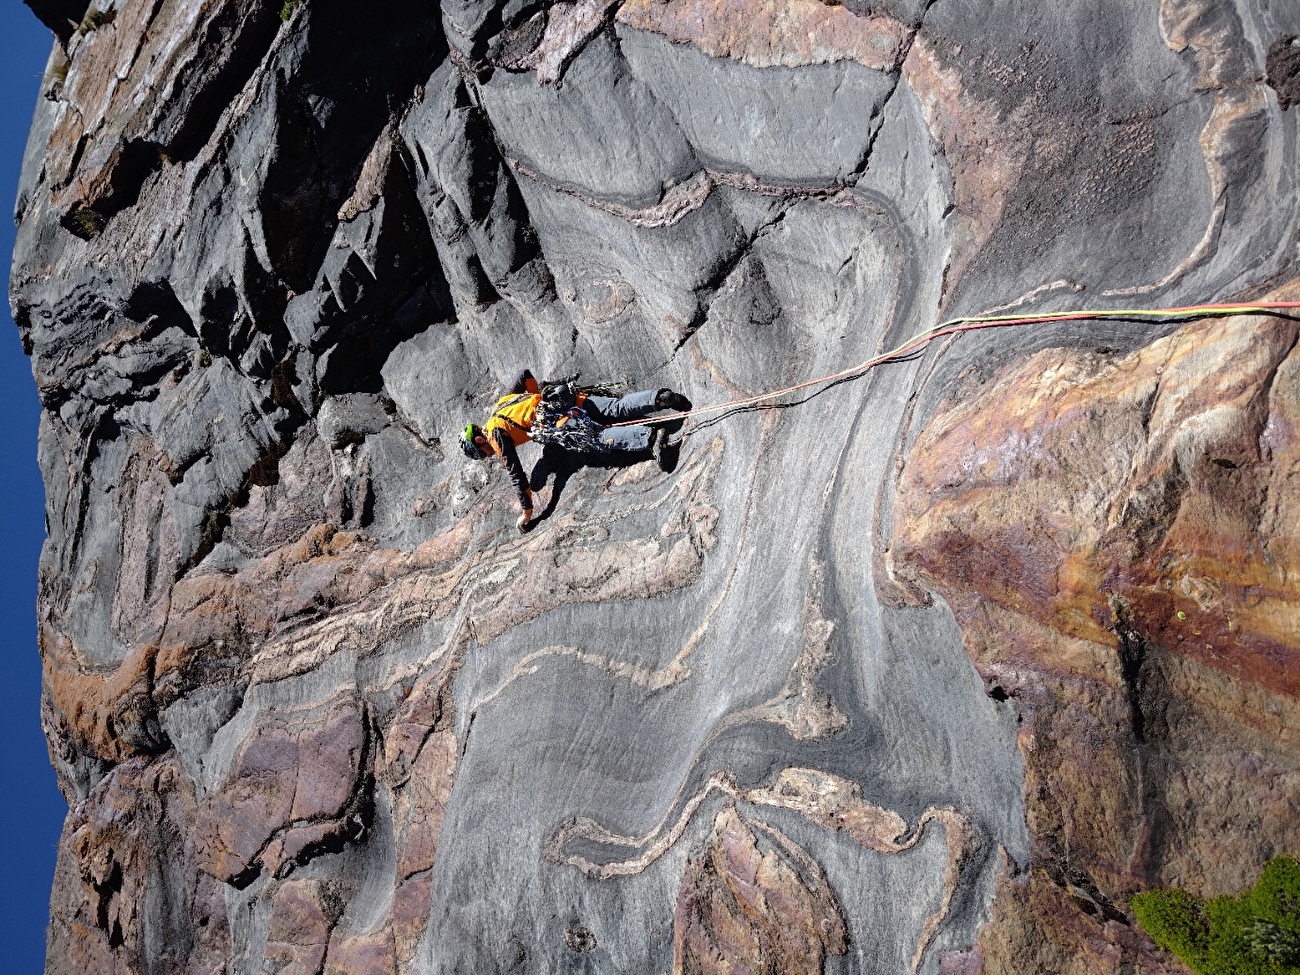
615	409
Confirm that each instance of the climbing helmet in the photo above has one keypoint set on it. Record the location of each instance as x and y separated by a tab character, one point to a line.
467	445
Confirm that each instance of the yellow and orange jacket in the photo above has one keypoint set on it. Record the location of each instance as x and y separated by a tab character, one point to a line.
510	425
513	415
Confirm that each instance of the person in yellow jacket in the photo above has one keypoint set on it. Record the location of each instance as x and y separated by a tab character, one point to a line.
573	420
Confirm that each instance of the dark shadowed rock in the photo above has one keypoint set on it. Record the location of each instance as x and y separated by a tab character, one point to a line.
1283	65
60	16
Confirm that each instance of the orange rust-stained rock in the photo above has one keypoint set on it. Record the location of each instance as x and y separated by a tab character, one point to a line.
130	833
1108	531
127	108
744	908
765	33
84	706
1153	486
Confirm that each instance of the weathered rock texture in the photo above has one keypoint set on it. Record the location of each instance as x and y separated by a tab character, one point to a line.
928	673
1115	534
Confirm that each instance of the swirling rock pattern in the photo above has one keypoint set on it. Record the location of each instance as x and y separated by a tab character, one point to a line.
929	672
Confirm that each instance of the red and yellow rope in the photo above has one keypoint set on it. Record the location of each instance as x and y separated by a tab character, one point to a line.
955	325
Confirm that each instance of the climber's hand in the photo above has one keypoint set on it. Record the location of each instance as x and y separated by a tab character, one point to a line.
525	521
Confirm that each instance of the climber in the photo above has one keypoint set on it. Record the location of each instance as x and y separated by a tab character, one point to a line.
559	413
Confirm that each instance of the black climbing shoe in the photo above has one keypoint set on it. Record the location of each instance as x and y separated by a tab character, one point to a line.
666	452
668	400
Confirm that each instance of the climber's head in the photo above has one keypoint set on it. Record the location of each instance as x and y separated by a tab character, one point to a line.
473	444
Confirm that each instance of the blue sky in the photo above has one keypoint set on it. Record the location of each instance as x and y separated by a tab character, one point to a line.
31	808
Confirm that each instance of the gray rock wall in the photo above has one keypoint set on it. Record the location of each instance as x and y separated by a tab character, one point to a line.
317	705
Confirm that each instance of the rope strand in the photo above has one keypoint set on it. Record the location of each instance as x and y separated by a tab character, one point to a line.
970	324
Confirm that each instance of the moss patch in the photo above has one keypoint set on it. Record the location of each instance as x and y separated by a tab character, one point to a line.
84	222
1257	933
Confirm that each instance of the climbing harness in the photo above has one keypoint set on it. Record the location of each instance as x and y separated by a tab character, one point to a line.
956	325
562	419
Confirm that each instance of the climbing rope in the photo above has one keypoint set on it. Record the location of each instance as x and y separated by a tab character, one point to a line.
956	325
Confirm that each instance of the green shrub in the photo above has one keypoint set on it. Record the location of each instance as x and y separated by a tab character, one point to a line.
1174	921
1257	933
1275	943
1275	901
288	7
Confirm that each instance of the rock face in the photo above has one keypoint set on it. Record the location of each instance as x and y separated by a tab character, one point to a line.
929	672
1112	533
